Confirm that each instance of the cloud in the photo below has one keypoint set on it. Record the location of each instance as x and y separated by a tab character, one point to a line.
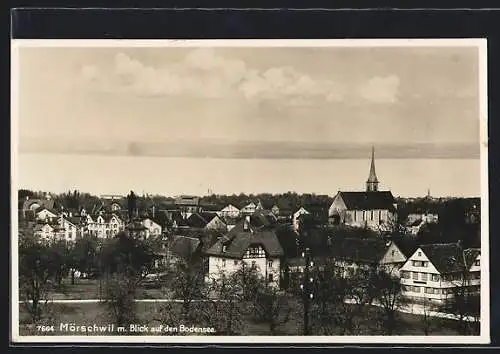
381	89
203	73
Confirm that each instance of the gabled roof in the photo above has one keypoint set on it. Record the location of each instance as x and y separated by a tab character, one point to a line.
368	200
359	250
45	203
208	216
471	255
406	245
39	210
183	246
195	220
446	257
238	240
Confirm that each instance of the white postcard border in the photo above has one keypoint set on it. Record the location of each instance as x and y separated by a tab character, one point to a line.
480	43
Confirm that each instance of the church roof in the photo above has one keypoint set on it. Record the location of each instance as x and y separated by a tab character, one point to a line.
383	200
372	178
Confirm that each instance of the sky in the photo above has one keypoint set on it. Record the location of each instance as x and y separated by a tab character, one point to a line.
263	103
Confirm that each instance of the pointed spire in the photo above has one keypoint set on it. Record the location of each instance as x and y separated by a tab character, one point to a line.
372	182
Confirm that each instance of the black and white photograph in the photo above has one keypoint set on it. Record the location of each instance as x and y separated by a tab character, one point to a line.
235	191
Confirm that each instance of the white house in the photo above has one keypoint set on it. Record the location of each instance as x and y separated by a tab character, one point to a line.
152	228
434	271
104	225
71	228
230	211
45	214
246	243
45	232
248	209
296	217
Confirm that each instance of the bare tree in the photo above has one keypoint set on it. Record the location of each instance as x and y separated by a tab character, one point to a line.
272	306
126	261
35	273
222	309
389	296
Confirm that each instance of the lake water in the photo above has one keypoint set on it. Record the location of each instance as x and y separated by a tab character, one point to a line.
102	174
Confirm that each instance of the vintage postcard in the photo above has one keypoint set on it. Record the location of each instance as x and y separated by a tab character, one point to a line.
236	191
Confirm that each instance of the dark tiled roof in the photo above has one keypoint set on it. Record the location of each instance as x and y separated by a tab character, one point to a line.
446	257
359	250
45	203
208	216
471	255
75	220
368	200
238	240
183	246
406	245
196	221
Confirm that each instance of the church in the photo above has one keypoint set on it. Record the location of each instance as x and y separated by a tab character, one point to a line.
371	208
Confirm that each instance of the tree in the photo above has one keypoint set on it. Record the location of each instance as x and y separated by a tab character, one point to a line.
188	282
222	309
389	296
272	307
35	271
332	310
126	262
428	321
131	205
82	255
58	253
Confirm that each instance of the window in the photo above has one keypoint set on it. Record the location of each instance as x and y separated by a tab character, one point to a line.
415	276
270	264
477	262
223	262
224	248
419	253
435	277
423	276
393	252
429	290
425	264
405	275
416	289
270	277
419	263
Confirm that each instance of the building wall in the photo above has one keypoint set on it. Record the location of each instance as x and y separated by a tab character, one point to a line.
45	215
296	217
216	224
231	265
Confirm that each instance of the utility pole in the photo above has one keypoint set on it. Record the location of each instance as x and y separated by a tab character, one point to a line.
307	291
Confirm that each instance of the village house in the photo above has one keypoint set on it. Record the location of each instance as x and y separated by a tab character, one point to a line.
372	208
248	209
72	228
44	214
104	225
47	232
152	227
434	271
296	218
252	242
229	211
30	206
187	205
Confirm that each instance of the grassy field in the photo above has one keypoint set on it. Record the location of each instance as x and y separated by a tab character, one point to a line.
85	289
149	313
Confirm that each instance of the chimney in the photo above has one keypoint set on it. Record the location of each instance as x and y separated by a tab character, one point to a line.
246	223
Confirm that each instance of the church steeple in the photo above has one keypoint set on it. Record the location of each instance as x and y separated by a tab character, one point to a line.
372	182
